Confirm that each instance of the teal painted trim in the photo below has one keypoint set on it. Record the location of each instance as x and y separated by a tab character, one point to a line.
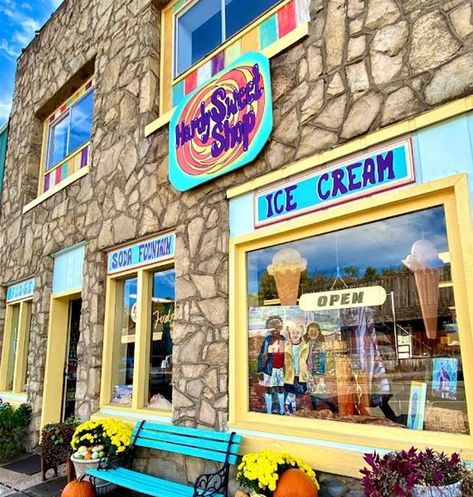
20	291
3	153
177	93
268	32
68	269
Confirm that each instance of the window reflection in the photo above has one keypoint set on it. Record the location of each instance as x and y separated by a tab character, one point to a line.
124	342
15	323
73	130
318	350
162	326
81	122
58	137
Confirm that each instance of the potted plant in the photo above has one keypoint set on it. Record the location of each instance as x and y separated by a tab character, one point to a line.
413	473
96	441
56	444
267	473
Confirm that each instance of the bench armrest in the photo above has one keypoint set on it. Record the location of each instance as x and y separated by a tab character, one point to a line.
212	484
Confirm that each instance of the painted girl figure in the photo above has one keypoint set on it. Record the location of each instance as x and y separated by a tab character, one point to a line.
271	364
296	352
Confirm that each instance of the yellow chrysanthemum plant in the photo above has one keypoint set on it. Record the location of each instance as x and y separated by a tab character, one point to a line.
101	438
259	472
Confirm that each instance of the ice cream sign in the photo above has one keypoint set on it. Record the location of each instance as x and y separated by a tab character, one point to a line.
223	125
379	170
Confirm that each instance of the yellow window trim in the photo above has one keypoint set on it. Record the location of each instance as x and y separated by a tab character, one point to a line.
21	355
131	416
271	51
60	186
44	147
428	118
142	339
452	193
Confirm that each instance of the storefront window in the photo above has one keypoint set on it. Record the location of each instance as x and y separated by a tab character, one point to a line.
13	345
162	326
358	325
124	342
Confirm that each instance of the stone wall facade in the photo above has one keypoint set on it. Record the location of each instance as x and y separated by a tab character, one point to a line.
365	64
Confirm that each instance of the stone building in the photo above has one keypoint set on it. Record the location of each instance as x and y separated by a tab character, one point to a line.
125	296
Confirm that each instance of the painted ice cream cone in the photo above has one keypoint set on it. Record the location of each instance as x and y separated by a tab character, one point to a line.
425	263
286	269
427	283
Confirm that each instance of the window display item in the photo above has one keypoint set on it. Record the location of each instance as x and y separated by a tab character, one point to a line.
445	420
425	263
415	416
444	377
286	269
160	402
122	394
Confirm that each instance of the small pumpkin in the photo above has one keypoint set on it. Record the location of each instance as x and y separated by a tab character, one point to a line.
241	493
295	483
78	488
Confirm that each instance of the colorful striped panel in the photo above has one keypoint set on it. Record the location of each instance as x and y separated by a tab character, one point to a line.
268	31
84	157
286	19
261	36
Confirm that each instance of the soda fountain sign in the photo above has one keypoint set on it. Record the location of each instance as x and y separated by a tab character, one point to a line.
222	125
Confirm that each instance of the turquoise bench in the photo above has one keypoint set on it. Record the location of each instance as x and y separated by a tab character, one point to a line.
205	444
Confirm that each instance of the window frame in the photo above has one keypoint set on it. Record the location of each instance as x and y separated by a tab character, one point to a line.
452	194
143	333
20	368
48	125
168	50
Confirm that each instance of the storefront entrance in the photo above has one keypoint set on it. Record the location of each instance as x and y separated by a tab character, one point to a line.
70	366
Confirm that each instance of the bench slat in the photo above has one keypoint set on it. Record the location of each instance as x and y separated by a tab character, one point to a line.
211	455
192	432
147	484
188	441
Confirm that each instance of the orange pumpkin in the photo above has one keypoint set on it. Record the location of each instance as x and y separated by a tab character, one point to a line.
78	488
295	483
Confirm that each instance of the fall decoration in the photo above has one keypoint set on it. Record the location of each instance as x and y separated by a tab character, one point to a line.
78	488
296	483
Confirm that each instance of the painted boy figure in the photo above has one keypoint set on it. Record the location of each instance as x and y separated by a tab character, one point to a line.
271	364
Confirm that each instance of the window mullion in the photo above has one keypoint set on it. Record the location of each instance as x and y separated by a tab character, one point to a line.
224	29
142	339
6	347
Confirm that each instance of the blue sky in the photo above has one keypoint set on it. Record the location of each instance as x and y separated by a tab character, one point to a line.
19	19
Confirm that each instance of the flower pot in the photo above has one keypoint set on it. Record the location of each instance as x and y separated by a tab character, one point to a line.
453	490
102	487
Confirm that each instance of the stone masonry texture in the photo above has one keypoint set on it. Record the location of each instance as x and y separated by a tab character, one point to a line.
364	65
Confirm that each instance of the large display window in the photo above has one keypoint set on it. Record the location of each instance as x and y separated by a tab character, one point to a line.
138	346
356	326
321	346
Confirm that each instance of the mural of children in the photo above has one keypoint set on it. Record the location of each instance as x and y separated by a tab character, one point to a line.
296	352
271	364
